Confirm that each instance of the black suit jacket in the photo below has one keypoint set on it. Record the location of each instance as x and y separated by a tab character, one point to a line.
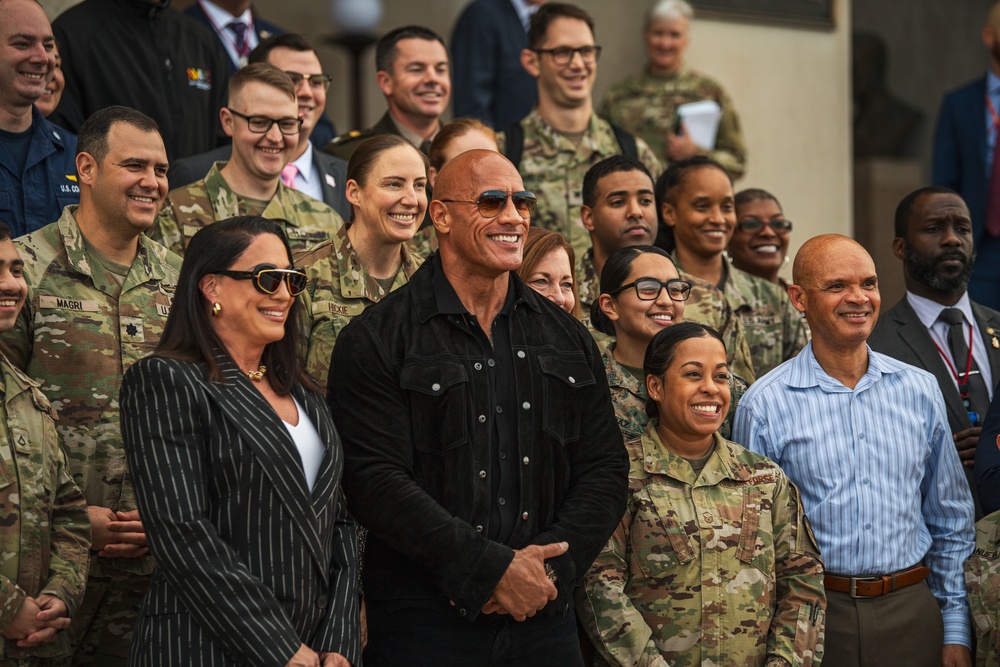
488	80
250	564
900	334
330	168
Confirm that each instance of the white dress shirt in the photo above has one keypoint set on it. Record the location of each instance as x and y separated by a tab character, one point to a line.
928	311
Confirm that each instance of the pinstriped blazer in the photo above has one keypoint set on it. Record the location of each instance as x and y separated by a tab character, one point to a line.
249	563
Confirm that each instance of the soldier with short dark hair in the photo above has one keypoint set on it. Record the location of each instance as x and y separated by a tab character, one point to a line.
99	292
554	145
413	72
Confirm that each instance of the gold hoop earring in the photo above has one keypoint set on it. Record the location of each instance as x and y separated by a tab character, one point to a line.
216	309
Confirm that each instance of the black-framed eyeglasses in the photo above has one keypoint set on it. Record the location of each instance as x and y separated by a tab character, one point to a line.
263	124
648	289
267	278
563	55
315	80
492	202
753	225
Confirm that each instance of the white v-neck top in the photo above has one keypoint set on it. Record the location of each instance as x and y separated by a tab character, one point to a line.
307	441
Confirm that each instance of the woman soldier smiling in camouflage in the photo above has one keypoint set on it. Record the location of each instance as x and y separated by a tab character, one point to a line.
387	188
713	562
641	294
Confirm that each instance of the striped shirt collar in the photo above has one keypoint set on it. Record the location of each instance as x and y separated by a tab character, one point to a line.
805	371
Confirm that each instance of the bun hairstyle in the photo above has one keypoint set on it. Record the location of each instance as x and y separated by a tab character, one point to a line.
662	349
616	272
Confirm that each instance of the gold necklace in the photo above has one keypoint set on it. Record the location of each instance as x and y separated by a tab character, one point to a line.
257	375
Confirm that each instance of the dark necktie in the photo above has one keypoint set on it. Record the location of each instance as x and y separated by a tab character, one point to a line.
973	390
239	29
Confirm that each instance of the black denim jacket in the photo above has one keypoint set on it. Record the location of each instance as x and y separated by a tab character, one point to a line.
410	399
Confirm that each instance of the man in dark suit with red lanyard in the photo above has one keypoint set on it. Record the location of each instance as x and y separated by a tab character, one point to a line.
936	326
964	154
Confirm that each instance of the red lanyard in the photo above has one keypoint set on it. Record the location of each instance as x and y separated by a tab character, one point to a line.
960	380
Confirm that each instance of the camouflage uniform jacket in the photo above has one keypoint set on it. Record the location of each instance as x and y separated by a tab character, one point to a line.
715	569
646	105
305	221
774	330
45	534
339	288
705	305
982	579
76	336
553	169
628	396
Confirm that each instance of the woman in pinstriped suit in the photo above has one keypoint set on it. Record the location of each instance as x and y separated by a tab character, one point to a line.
237	471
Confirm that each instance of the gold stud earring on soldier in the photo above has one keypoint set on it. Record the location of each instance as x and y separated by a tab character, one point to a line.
216	309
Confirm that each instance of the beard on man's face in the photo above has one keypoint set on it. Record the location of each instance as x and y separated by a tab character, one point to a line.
927	271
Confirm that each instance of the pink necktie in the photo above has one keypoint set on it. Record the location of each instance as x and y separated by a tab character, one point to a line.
288	175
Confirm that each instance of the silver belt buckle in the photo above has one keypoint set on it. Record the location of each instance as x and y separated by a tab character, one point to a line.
853	592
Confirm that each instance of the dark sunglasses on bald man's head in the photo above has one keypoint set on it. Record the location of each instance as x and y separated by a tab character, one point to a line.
492	202
267	278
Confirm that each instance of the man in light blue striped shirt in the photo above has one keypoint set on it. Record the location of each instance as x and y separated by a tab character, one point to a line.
866	439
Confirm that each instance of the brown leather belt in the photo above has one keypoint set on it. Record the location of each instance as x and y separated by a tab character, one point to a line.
874	586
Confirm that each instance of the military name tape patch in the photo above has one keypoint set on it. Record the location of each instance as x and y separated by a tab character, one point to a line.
61	303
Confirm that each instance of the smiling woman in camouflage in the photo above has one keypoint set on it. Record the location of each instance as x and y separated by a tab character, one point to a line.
387	188
713	562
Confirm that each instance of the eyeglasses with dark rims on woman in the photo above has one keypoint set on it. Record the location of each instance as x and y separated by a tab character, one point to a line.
492	202
753	225
267	278
648	289
262	124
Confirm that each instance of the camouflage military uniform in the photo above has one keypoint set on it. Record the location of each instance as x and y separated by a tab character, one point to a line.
628	395
705	305
77	334
553	168
719	568
982	579
305	221
646	105
45	533
339	288
775	331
